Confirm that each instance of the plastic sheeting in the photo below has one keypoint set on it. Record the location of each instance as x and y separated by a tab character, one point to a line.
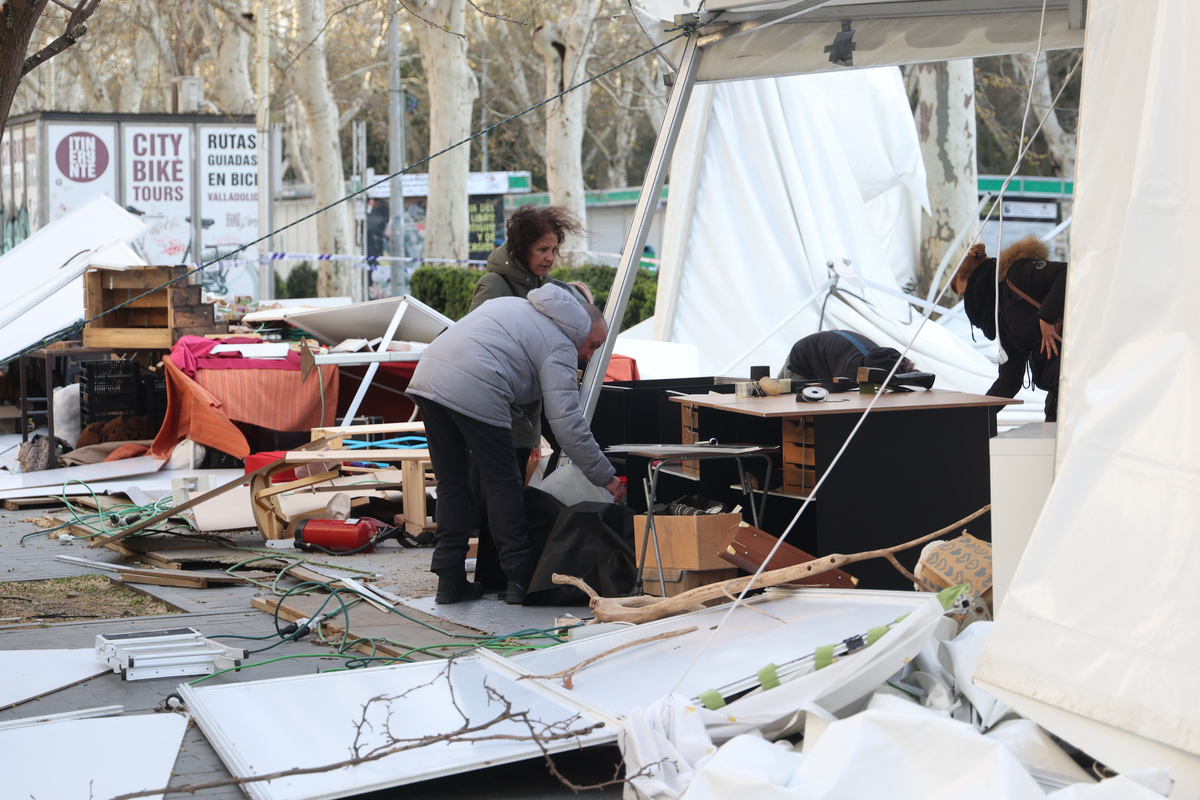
1080	631
779	177
41	275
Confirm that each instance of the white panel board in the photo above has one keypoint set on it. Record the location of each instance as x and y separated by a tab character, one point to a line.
104	470
32	673
121	755
266	726
258	728
419	322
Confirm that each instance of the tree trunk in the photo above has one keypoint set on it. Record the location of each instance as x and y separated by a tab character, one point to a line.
334	278
946	127
95	93
1059	143
133	85
565	54
18	22
231	88
453	90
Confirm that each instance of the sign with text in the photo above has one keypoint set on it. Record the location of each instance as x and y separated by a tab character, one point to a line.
228	176
157	183
486	223
80	165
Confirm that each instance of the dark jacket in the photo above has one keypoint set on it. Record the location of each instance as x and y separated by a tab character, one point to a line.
508	277
1026	267
829	354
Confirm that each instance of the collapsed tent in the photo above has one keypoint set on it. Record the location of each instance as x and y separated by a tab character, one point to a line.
43	275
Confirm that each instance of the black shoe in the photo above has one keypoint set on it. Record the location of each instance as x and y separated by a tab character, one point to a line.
453	587
515	595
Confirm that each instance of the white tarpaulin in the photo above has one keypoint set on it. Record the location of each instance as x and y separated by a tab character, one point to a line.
771	180
42	275
1081	632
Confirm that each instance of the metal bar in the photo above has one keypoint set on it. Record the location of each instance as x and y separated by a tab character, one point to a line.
635	240
371	370
765	21
355	359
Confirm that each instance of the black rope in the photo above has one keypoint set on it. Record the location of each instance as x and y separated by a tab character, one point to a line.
687	30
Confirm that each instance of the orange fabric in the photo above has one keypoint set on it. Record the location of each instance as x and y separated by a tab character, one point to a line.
128	451
194	413
279	400
621	368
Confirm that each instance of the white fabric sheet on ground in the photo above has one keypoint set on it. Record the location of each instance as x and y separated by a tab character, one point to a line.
894	749
32	673
817	179
1072	633
92	758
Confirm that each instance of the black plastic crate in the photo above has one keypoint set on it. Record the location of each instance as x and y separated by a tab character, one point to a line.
154	396
108	389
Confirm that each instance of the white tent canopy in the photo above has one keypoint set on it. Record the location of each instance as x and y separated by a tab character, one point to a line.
1098	654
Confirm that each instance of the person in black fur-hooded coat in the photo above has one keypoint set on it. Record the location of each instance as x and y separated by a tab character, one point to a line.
1032	294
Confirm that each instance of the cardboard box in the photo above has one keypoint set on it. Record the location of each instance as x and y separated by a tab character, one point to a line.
962	560
687	543
682	580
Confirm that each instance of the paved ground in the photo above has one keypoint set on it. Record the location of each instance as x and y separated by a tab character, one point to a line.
228	611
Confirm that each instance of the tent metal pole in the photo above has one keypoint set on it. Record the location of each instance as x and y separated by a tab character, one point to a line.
635	239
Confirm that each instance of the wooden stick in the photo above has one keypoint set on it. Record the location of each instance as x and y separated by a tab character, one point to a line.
647	609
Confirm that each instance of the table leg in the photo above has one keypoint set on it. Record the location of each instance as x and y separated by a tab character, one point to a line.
651	531
50	399
24	400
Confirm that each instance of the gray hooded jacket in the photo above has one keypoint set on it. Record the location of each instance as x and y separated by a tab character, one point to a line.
510	352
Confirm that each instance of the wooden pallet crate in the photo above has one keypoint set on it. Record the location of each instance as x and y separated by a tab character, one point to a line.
154	321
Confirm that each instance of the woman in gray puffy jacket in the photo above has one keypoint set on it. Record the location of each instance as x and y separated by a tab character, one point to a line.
506	354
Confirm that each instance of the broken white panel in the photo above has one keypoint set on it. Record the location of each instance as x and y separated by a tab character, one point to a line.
791	626
122	755
40	302
153	484
104	470
262	727
418	322
257	727
33	673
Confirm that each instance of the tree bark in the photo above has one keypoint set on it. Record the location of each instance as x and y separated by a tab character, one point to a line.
945	116
334	278
18	22
133	85
453	90
232	91
565	53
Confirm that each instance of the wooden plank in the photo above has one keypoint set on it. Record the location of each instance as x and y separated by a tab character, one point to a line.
386	427
141	278
18	503
191	316
128	338
185	294
748	547
166	579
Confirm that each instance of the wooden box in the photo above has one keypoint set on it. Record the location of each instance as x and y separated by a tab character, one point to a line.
683	580
687	543
154	321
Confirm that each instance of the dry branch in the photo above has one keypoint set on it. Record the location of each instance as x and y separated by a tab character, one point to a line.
647	609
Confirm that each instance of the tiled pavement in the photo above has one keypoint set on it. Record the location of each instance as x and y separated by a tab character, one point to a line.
227	610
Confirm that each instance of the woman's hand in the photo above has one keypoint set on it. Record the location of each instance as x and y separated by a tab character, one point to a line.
616	489
1050	339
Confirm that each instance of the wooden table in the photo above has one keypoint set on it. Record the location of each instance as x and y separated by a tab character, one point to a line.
918	462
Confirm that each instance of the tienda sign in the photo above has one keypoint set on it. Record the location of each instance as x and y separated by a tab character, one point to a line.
81	157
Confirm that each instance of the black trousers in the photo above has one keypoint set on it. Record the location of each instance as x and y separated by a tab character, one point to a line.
454	440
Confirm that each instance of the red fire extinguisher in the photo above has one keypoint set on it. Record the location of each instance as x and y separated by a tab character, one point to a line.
340	536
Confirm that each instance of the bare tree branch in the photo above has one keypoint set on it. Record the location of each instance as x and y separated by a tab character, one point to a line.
75	29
